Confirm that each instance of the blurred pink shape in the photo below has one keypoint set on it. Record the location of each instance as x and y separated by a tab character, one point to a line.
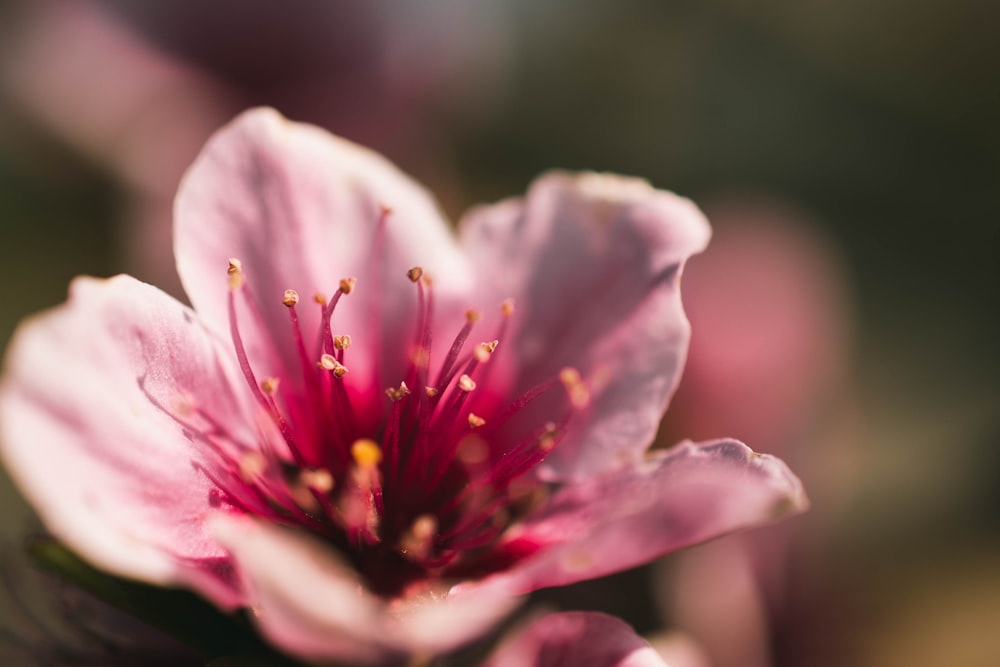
769	359
771	327
577	639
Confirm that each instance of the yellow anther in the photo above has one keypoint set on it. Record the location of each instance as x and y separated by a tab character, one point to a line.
484	350
415	274
366	453
424	526
235	272
304	498
385	209
269	386
465	383
347	285
548	439
417	541
290	298
475	421
472	315
576	389
342	342
329	363
420	356
569	375
319	298
507	307
183	406
431	391
252	465
317	479
396	394
472	450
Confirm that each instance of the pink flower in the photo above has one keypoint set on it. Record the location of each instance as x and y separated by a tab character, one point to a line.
576	639
377	470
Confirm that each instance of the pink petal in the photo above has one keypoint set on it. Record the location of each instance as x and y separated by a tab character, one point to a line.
576	639
104	460
671	500
594	263
307	602
679	650
300	209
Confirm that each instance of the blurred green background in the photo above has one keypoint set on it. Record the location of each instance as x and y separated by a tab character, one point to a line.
875	122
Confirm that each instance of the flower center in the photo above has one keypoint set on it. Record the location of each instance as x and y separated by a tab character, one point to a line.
412	484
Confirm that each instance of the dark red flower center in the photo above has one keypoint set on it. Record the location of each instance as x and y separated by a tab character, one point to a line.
413	486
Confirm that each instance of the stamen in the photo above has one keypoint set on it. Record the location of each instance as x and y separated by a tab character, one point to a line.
547	440
448	368
235	272
252	465
290	299
183	406
465	383
328	362
304	498
507	307
317	479
395	394
431	481
472	450
416	543
484	350
576	389
235	278
326	337
366	453
390	443
269	386
420	356
363	502
526	454
420	351
373	278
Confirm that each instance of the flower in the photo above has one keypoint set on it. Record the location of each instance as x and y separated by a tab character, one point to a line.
570	639
368	434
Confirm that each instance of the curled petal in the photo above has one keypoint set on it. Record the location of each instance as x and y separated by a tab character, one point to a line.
309	603
107	460
593	262
672	500
576	639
